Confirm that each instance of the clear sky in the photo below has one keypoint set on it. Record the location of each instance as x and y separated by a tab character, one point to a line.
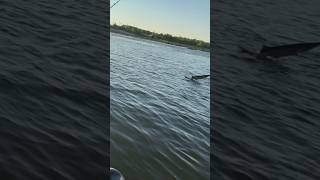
186	18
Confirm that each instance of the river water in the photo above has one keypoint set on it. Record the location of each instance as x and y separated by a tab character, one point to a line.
53	90
266	116
159	120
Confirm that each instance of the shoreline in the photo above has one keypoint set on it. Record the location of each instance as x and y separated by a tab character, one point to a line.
119	31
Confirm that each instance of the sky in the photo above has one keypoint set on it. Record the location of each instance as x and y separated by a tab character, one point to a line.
186	18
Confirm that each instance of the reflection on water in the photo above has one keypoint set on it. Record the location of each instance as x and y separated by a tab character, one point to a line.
159	121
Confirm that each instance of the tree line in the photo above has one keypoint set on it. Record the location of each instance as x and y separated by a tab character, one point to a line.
163	37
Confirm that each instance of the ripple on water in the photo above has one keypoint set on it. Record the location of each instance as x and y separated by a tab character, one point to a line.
159	121
265	116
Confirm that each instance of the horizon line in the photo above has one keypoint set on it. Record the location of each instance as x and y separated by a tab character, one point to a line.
120	24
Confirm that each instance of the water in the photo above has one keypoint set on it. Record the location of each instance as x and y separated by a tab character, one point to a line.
265	115
159	120
53	95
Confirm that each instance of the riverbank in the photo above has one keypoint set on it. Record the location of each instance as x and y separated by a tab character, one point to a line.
164	38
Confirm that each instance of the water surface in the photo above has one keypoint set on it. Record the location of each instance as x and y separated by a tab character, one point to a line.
159	120
265	115
53	90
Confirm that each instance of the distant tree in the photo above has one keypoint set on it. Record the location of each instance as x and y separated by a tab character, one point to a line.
162	37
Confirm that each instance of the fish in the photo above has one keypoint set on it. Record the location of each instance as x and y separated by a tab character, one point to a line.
268	52
199	77
285	50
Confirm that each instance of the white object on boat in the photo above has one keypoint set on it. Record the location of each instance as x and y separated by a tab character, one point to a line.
115	174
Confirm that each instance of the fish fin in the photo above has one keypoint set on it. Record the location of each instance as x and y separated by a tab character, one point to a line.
266	47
